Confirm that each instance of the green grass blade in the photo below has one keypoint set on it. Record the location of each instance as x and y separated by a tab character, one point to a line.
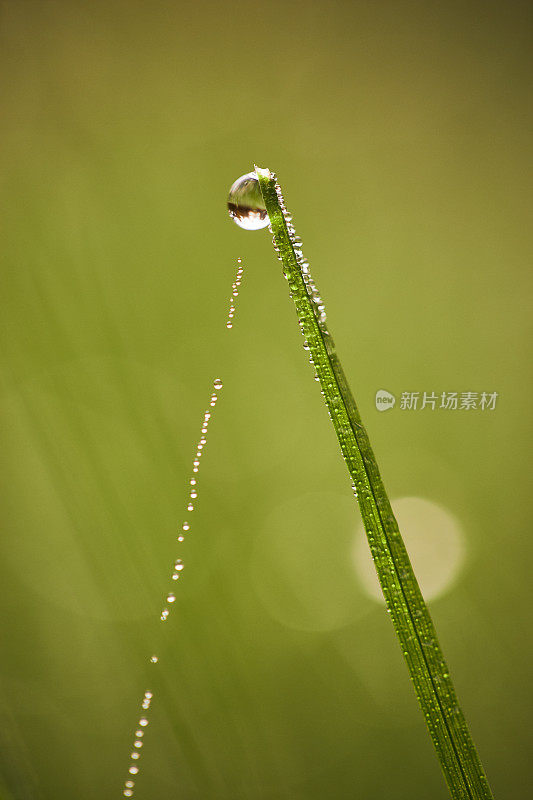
412	622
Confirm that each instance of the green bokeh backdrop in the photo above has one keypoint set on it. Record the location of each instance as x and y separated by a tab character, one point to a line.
400	132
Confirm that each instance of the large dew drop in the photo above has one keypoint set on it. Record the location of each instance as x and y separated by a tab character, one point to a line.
245	203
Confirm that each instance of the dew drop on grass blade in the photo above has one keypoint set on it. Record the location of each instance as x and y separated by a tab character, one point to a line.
412	622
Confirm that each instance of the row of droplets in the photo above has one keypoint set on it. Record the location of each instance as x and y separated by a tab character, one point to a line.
303	264
332	404
137	744
234	293
297	244
178	567
193	493
320	310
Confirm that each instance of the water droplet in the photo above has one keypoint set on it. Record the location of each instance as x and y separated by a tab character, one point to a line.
154	659
245	203
133	770
171	597
137	743
178	565
127	793
135	755
190	507
217	384
181	538
185	526
143	722
164	614
129	784
139	734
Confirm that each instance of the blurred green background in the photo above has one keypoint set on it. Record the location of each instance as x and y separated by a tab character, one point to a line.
400	132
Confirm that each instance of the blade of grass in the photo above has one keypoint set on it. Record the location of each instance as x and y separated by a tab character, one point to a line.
412	622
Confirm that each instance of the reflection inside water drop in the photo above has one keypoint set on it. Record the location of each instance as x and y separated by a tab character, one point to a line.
245	203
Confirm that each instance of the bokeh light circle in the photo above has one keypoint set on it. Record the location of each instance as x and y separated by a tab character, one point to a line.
434	541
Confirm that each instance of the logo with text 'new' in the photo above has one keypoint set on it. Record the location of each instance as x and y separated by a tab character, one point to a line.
384	400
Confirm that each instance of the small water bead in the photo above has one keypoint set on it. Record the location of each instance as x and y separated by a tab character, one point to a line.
181	538
179	565
133	770
143	722
217	384
190	507
129	784
137	743
185	526
154	659
171	598
245	203
164	614
127	793
135	755
139	734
